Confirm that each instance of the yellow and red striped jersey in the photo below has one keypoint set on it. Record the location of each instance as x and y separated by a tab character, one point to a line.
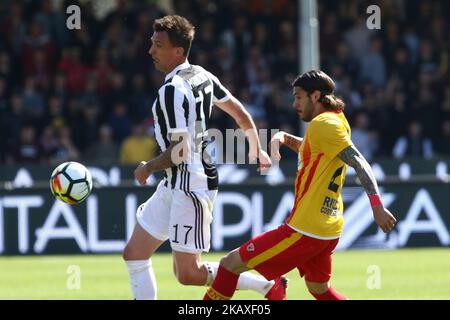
318	206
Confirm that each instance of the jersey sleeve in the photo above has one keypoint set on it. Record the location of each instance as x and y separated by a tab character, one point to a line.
220	93
331	136
175	107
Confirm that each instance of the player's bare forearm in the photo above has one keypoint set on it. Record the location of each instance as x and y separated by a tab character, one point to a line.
355	159
177	152
243	119
245	122
146	168
293	142
161	162
383	217
167	159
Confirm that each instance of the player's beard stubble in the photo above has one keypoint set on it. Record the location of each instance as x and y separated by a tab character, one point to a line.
306	113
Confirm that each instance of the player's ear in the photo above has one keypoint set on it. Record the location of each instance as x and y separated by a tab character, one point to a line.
315	96
179	51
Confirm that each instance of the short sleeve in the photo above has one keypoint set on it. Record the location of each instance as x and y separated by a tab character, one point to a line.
175	107
220	93
331	136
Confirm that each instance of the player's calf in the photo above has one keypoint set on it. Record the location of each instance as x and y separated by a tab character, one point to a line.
191	275
233	262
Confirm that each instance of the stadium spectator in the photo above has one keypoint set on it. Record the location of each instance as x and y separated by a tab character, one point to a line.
13	29
120	122
104	151
364	140
59	87
11	77
140	99
33	101
358	37
74	69
28	149
402	66
117	93
36	40
414	144
85	130
49	142
65	150
55	114
138	146
373	65
443	144
15	119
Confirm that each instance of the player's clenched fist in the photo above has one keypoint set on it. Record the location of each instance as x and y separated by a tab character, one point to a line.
141	173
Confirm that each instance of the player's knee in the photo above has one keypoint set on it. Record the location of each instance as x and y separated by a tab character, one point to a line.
131	253
127	253
317	287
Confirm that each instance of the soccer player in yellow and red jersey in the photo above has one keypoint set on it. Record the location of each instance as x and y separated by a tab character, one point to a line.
307	239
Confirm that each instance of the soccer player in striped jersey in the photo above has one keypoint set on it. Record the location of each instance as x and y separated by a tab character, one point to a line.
310	234
180	210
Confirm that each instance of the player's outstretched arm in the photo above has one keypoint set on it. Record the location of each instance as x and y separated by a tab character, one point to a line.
284	138
383	217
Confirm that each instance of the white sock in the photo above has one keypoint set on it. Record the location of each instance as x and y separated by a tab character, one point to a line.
142	279
247	280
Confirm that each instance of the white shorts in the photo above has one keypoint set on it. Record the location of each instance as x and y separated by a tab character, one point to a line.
182	217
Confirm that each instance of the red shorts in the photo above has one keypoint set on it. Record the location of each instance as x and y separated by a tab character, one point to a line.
278	251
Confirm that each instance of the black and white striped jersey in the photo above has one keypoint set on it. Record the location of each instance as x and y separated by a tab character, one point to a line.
184	104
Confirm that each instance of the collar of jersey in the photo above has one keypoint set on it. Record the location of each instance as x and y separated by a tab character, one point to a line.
332	111
179	67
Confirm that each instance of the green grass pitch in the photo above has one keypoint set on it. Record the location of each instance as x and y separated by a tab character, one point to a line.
398	274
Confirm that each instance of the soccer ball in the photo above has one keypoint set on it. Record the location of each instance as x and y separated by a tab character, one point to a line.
71	182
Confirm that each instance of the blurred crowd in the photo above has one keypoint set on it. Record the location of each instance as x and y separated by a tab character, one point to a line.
86	94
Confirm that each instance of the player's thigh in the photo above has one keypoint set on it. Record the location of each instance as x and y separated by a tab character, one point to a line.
317	270
190	220
274	252
154	214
